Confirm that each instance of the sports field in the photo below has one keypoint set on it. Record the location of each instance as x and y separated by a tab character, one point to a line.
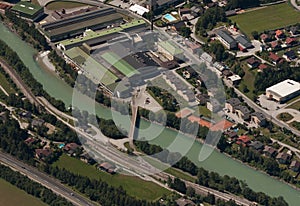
271	17
134	186
55	5
119	64
11	195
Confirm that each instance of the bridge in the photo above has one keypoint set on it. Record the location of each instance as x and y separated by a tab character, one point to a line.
134	112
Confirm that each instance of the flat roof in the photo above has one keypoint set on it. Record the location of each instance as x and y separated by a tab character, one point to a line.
89	34
285	88
170	47
90	65
26	7
119	64
83	24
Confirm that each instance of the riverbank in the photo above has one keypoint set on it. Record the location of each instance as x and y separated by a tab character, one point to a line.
217	162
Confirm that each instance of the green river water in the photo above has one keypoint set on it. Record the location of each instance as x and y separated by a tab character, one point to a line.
217	162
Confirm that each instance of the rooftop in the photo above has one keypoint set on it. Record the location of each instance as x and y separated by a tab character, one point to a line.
26	8
90	65
89	34
225	35
285	88
170	47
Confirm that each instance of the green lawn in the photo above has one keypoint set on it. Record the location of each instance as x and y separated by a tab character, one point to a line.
119	64
6	85
64	5
133	185
182	175
295	106
11	195
271	17
285	117
248	80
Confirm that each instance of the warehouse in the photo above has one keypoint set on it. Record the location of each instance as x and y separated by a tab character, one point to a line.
283	91
93	38
28	10
76	25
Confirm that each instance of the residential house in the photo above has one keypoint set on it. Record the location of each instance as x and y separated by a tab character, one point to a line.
295	166
43	153
283	157
243	43
184	202
269	151
253	62
265	38
294	31
177	26
243	140
242	112
257	145
196	48
71	148
213	105
235	79
37	122
30	140
108	167
226	39
289	55
274	58
279	34
275	45
183	11
291	41
231	104
262	67
226	73
202	99
85	157
223	125
258	118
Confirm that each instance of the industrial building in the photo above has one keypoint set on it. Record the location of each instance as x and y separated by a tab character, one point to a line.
169	50
96	71
283	91
77	24
28	10
91	37
226	39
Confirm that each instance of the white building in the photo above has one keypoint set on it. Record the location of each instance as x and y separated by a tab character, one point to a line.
283	91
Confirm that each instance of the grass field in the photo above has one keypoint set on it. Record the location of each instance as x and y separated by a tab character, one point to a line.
134	186
295	106
248	80
11	195
271	17
285	117
6	85
120	64
64	5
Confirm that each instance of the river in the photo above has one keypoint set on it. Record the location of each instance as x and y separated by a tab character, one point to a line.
217	162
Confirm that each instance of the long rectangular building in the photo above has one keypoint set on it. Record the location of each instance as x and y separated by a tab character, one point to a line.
90	66
91	37
76	25
283	91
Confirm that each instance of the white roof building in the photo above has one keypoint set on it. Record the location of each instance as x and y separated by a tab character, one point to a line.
139	9
284	90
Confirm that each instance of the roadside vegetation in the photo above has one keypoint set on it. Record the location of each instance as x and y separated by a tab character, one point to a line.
285	117
134	186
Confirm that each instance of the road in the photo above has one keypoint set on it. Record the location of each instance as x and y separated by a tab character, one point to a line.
136	166
272	117
17	80
294	3
45	180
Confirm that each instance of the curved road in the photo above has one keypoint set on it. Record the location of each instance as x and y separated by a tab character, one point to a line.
294	3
